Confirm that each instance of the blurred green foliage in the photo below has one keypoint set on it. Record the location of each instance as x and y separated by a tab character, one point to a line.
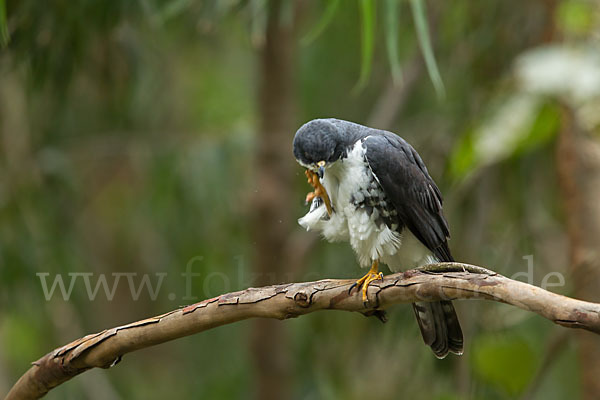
3	27
127	137
576	17
367	13
506	361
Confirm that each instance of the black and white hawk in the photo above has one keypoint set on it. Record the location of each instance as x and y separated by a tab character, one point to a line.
373	190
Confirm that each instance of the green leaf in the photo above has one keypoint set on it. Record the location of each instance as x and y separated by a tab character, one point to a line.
367	19
391	39
463	157
323	23
575	17
418	11
545	127
519	123
172	10
3	26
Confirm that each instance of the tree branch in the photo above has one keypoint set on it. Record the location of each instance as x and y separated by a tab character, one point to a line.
430	283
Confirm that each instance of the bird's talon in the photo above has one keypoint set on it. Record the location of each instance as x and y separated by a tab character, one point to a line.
313	180
365	292
310	197
352	287
364	282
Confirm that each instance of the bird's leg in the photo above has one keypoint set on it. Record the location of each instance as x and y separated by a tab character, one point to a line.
313	180
371	276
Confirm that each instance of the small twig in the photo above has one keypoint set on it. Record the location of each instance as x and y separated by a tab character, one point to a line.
429	283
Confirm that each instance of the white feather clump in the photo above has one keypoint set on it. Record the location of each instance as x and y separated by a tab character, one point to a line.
370	241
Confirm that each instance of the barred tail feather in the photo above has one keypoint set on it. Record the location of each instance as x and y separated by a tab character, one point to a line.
439	327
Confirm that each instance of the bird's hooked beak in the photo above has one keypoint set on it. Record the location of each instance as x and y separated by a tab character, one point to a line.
321	170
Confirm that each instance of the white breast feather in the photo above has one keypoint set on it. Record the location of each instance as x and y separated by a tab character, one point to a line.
334	229
370	242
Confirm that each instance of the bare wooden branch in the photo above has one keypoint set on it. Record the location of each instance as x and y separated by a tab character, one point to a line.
430	283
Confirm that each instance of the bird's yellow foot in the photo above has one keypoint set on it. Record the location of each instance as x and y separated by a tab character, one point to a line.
313	180
364	282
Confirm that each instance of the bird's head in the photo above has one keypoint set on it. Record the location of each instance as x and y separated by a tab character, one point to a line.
317	144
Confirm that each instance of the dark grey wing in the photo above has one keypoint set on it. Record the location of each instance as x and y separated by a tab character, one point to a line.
405	180
418	202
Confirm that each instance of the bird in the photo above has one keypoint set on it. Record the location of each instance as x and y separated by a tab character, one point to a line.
372	189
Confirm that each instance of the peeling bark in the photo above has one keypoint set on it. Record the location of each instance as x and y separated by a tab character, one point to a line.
430	283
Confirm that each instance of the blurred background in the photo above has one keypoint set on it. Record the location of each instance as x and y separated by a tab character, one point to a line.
151	138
